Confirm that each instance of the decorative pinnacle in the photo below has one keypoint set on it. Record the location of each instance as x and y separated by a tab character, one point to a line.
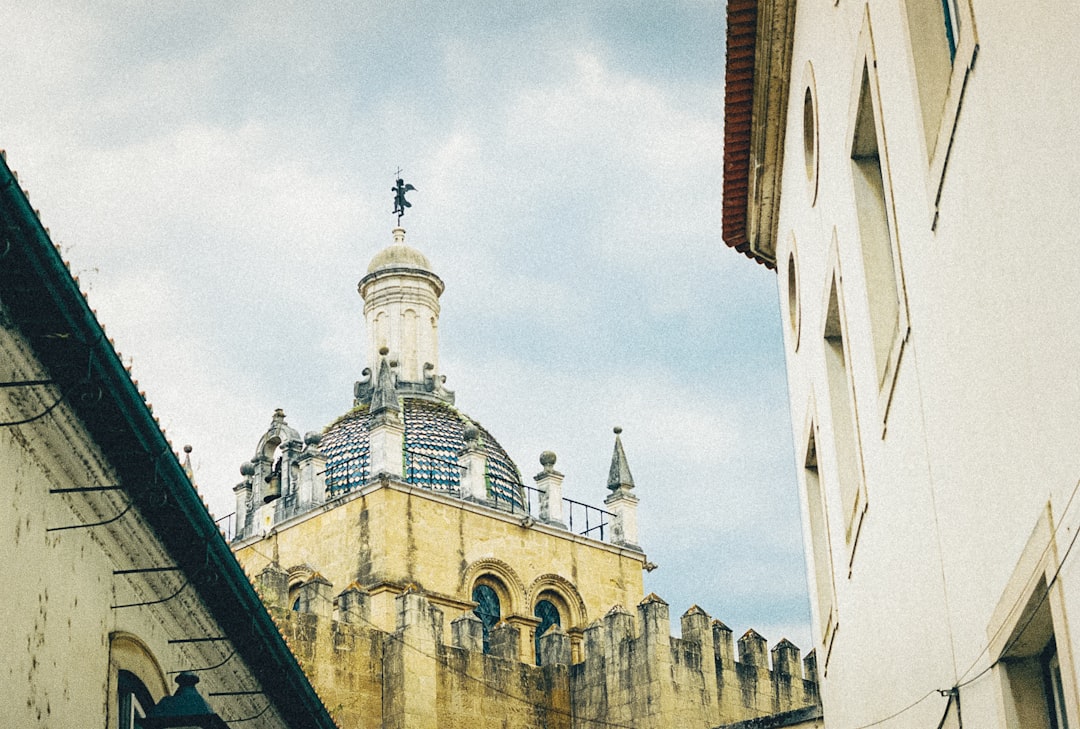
188	470
384	396
619	478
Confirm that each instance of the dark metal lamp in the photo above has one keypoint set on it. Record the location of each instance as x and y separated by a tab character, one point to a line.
186	709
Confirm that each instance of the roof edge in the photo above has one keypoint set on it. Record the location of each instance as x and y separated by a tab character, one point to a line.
136	447
757	78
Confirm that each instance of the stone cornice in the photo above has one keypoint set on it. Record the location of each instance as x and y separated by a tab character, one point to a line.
447	500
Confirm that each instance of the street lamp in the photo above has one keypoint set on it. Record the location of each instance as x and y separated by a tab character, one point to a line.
185	709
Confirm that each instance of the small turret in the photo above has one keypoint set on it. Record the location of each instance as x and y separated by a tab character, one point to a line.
401	309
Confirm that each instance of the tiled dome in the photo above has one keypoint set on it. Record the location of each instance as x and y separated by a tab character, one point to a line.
434	436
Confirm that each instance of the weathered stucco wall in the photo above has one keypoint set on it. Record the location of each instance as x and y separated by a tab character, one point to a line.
634	673
74	614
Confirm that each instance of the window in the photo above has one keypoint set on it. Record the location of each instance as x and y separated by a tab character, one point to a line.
943	48
1038	683
883	277
549	615
133	698
792	302
488	610
821	551
846	443
810	133
1035	698
134	679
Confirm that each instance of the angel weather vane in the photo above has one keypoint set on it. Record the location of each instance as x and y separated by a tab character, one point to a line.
400	203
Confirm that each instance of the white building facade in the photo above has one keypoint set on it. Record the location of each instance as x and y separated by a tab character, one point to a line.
910	169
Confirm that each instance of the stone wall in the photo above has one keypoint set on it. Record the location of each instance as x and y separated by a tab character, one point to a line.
634	673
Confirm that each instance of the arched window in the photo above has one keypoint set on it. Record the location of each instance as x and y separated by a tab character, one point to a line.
488	610
133	698
549	615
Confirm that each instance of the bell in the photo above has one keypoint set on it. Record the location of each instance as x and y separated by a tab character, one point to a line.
273	489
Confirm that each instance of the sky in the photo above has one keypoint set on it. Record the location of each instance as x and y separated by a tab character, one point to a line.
218	176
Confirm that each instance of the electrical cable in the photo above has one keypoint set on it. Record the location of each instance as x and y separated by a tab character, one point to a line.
1027	584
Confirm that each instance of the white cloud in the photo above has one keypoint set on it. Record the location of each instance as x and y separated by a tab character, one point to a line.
223	184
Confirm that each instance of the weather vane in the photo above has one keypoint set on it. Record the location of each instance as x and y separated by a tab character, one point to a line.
400	203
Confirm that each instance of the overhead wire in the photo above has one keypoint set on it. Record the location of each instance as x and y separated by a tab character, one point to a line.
1033	578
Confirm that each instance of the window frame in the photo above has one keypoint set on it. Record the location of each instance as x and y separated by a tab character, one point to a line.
556	603
964	53
790	291
852	519
826	624
498	589
1034	587
866	63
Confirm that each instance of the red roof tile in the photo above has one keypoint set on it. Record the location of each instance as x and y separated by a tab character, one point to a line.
738	108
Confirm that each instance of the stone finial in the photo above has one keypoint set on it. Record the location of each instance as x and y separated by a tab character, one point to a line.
384	398
471	433
247	468
188	470
549	483
473	461
619	478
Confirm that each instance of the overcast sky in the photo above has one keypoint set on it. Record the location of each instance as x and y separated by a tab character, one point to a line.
219	176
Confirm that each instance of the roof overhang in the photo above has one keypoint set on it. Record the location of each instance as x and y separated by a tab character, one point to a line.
759	40
45	304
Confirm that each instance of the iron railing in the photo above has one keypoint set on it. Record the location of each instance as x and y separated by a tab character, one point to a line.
348	474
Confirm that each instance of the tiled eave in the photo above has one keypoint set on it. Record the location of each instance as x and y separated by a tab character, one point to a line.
759	37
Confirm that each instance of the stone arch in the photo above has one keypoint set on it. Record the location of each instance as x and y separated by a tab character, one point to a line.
298	576
562	593
502	578
128	652
278	434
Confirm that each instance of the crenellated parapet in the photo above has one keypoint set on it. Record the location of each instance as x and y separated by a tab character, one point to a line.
634	672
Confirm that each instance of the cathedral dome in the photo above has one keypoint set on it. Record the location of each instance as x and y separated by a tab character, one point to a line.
434	437
399	255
